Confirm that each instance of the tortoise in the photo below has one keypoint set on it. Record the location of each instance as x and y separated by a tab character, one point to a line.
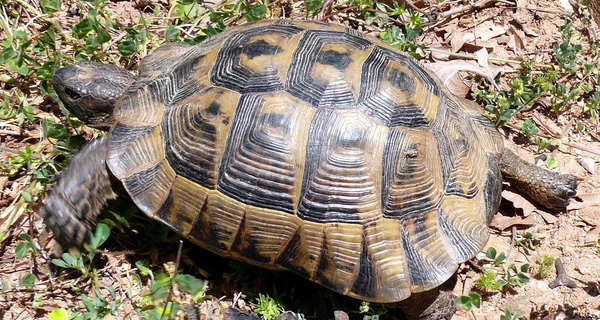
295	145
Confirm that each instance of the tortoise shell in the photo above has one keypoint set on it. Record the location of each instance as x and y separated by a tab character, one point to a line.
304	146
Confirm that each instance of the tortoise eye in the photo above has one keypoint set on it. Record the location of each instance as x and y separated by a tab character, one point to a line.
72	94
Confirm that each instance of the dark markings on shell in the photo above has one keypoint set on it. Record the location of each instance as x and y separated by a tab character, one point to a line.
354	32
366	280
338	60
165	210
401	80
492	191
453	159
256	167
418	273
122	134
246	244
300	81
336	186
214	109
403	195
288	257
138	184
376	101
179	83
260	48
325	265
190	145
464	245
217	235
207	231
229	72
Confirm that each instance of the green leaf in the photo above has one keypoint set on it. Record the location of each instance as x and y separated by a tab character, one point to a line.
60	263
50	6
144	267
191	284
501	257
21	250
172	33
28	281
127	48
54	130
59	314
313	5
469	301
529	128
27	196
100	235
69	259
81	29
159	291
551	163
255	12
20	34
491	253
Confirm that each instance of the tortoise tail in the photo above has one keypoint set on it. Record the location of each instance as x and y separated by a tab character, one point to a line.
82	191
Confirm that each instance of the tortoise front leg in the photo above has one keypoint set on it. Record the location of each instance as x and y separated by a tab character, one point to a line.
83	189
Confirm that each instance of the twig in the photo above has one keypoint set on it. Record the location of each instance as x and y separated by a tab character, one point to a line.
173	279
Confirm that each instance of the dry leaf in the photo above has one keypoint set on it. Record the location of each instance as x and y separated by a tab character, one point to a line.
459	38
482	57
501	222
517	39
587	200
519	201
448	72
591	237
439	52
587	163
488	30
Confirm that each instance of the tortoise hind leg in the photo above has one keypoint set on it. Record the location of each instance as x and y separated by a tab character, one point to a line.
550	189
83	189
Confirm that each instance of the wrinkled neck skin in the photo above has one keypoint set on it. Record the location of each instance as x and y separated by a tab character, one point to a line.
91	89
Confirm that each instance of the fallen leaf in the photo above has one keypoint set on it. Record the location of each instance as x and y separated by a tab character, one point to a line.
440	52
458	39
488	30
587	163
501	222
517	40
449	73
591	237
587	200
528	208
519	201
482	57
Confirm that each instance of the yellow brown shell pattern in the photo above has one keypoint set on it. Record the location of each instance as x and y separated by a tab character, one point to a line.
306	146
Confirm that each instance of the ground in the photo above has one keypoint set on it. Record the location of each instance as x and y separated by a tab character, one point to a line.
484	38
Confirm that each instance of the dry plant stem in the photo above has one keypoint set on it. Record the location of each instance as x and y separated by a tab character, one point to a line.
473	57
179	249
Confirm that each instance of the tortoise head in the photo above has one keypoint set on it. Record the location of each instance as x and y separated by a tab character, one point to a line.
90	90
